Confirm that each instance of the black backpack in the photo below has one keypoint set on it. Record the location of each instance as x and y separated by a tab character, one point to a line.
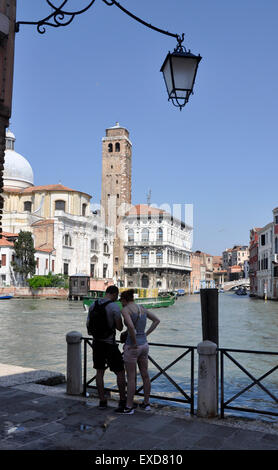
98	325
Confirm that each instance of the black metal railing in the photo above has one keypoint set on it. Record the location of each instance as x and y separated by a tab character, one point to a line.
187	398
226	404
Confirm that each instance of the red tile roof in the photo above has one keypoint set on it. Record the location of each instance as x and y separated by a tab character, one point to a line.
144	209
48	187
44	222
5	242
45	249
9	234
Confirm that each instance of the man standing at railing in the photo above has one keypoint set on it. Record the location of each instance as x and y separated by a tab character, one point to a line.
104	318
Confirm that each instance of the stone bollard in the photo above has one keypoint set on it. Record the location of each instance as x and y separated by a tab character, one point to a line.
207	380
74	363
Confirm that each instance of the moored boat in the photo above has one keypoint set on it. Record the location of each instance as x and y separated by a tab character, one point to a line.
3	297
241	291
180	292
164	300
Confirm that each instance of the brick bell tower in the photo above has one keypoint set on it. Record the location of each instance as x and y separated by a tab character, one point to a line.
116	188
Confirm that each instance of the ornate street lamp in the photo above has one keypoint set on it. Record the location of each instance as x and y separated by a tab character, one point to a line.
179	68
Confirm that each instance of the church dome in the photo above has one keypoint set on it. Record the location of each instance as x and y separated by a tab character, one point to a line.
18	172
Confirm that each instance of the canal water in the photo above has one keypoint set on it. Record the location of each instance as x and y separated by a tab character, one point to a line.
33	334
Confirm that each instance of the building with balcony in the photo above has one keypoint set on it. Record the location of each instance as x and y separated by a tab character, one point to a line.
68	237
157	248
234	261
219	274
267	266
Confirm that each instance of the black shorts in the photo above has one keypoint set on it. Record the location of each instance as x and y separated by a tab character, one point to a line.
106	354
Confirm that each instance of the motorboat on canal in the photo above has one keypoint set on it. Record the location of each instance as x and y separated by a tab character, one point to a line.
180	292
4	297
165	299
241	291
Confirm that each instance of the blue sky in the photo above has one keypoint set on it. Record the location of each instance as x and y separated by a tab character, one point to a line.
219	153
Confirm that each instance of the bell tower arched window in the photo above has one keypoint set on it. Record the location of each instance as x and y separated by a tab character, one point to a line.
110	148
117	147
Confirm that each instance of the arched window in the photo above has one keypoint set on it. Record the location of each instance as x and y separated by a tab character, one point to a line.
105	248
117	147
130	235
145	258
9	144
110	148
94	244
130	258
67	240
60	205
93	265
159	235
145	281
84	207
276	245
159	257
28	206
145	235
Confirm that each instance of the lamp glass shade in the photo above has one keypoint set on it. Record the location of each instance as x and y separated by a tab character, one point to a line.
179	70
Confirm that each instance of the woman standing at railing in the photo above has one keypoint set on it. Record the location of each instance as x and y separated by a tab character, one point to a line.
136	348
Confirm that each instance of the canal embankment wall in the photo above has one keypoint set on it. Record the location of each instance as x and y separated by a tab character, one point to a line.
42	292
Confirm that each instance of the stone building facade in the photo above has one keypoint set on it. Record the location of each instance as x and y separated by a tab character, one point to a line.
267	272
116	188
197	273
234	261
253	261
157	249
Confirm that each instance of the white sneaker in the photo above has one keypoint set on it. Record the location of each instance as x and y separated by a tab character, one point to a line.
128	411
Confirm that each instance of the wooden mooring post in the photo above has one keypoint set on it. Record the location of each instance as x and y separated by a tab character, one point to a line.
209	307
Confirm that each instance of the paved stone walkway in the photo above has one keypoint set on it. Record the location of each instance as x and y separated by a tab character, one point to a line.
34	421
39	417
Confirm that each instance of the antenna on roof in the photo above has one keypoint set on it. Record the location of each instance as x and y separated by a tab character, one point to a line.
149	197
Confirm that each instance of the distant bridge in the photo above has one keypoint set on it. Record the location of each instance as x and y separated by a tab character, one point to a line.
239	283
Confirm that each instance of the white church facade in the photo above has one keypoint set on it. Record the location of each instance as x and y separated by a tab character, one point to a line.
68	237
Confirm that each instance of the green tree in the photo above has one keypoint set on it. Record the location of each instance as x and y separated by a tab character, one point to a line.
24	263
50	280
